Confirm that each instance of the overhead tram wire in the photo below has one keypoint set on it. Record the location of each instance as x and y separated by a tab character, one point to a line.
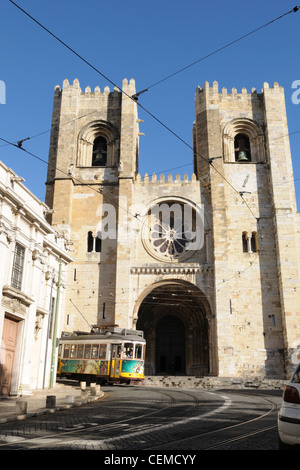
78	180
294	10
135	97
126	210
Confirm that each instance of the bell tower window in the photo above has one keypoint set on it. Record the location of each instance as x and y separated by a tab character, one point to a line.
243	142
99	152
242	148
98	145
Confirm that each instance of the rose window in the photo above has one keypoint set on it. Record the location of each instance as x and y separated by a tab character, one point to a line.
170	239
173	231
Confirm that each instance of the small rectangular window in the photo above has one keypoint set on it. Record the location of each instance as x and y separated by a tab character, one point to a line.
66	351
138	351
128	350
95	351
73	351
87	351
80	351
102	354
18	264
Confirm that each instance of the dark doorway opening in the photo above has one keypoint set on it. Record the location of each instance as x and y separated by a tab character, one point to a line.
170	346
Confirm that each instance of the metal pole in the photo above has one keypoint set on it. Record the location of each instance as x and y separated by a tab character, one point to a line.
54	340
48	331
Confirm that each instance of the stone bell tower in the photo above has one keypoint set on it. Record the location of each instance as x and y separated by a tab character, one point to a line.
242	159
92	162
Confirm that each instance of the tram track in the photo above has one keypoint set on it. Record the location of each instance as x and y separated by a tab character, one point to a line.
11	439
224	441
138	432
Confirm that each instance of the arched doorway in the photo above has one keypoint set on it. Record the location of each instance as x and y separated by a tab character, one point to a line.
173	316
170	346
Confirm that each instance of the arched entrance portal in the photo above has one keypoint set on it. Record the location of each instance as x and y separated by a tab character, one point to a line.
173	316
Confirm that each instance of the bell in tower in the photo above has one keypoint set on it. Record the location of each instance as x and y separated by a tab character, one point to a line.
242	148
99	152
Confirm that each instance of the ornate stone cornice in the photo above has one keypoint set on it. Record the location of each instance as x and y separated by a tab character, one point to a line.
173	269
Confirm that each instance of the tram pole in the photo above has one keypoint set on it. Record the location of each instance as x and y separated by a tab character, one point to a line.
54	340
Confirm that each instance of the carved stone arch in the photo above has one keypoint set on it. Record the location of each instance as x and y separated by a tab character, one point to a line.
87	137
174	301
252	132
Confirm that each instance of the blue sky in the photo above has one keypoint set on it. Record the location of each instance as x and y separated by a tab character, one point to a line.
145	40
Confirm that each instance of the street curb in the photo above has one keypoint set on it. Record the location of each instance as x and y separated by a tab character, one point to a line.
43	411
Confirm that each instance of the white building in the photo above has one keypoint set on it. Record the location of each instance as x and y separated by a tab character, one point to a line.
33	258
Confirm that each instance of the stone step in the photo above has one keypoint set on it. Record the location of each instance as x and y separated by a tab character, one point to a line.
213	382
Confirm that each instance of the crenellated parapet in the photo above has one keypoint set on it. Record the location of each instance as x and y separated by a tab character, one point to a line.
213	90
162	179
127	87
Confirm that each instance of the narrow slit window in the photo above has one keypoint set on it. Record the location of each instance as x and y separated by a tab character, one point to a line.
90	242
98	244
254	242
245	242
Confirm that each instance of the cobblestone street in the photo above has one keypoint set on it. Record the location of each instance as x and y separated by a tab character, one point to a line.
144	419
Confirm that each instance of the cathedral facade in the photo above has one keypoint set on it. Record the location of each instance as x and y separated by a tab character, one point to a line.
207	265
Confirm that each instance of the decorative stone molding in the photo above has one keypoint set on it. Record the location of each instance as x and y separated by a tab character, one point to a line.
15	301
178	269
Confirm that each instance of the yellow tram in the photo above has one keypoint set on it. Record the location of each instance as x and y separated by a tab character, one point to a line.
114	355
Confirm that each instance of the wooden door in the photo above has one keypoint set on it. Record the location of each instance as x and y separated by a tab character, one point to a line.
170	346
7	354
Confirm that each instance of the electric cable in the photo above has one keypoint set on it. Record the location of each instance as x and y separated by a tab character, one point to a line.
136	95
294	10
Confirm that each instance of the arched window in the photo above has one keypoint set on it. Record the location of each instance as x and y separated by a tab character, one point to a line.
94	244
254	242
243	142
249	242
98	145
99	152
245	242
98	244
90	242
242	148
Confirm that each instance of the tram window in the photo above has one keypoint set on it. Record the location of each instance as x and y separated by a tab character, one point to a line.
138	351
66	351
73	351
80	350
102	354
128	350
116	352
95	351
87	351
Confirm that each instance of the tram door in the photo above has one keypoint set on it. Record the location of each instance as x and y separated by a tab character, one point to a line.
115	360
